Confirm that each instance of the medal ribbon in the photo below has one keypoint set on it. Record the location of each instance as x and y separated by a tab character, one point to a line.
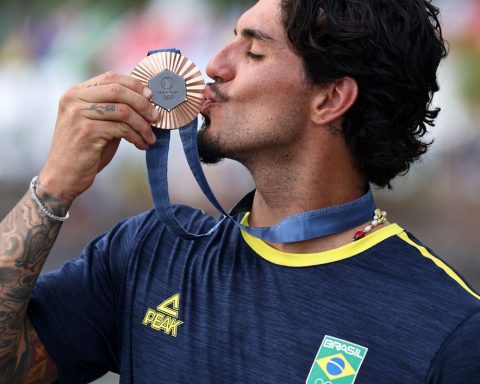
299	227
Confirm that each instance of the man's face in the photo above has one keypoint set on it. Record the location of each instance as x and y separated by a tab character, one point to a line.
258	104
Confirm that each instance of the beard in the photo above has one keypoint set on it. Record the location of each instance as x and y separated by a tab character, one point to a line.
209	150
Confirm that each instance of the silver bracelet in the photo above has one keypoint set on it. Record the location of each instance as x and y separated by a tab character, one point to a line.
41	204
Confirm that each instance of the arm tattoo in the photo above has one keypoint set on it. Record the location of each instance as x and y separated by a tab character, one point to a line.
34	249
26	238
101	108
42	368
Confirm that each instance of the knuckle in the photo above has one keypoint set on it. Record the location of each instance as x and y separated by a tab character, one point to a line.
123	111
146	127
116	90
123	128
73	111
110	76
146	106
68	107
137	85
128	134
88	127
65	99
85	132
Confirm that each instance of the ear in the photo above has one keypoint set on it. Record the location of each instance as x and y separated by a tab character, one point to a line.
332	101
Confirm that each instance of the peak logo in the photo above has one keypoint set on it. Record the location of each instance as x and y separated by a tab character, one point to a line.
337	362
165	317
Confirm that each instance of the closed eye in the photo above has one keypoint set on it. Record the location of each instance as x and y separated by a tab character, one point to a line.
254	56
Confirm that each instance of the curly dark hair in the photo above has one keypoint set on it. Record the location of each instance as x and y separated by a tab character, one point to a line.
392	48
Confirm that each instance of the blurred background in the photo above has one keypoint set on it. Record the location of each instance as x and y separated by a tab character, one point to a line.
48	45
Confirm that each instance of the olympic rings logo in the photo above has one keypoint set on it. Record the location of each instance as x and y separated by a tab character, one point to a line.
321	381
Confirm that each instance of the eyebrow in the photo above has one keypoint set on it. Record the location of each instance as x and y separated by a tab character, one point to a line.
255	34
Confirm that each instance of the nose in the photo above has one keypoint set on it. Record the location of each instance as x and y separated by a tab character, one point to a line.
220	68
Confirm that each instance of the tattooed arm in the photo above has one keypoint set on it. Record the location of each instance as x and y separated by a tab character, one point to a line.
92	119
26	237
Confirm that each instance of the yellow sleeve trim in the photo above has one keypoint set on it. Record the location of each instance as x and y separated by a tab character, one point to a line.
310	259
439	263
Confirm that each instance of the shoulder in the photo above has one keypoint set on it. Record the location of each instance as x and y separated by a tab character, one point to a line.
431	270
432	286
421	283
431	302
128	229
458	359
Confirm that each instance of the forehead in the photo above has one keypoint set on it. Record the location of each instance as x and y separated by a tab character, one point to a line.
265	16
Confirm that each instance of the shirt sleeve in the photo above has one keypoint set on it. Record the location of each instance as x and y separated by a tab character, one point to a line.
458	361
74	309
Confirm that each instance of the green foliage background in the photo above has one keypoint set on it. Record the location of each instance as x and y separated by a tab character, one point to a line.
13	11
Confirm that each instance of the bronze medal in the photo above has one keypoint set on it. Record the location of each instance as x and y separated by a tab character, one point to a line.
177	86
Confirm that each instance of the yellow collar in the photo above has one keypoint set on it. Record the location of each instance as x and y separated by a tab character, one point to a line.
310	259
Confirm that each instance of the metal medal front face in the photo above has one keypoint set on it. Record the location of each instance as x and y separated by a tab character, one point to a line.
177	87
169	90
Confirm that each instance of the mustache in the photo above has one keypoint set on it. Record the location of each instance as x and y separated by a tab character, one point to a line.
219	95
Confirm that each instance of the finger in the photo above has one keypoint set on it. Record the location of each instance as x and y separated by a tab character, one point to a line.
111	130
121	113
117	93
117	78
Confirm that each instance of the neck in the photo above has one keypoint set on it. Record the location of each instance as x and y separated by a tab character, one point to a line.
286	187
288	184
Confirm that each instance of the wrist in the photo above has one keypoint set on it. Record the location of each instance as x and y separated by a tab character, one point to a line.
51	193
55	188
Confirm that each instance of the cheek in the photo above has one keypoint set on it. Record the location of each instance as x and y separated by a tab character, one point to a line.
271	86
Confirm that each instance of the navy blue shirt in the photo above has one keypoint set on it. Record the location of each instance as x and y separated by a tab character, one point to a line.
230	309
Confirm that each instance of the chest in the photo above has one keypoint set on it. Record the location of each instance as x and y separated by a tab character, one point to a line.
236	319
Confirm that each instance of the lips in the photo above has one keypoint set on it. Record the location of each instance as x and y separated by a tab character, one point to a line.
207	104
210	100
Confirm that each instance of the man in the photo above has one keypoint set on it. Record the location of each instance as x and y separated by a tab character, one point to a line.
317	99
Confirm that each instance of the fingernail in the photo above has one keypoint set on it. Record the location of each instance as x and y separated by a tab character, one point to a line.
153	139
147	92
155	114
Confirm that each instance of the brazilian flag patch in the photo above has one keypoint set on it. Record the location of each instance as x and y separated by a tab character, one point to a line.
337	362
